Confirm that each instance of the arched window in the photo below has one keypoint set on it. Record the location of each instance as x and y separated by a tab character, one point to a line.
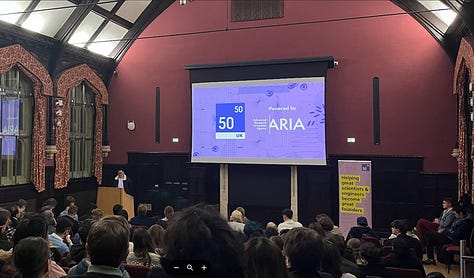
16	133
81	132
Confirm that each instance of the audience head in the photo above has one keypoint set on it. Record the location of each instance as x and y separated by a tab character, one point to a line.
459	211
4	217
200	233
272	225
447	202
399	227
116	209
264	259
34	225
15	212
142	242
326	224
236	216
287	214
30	256
353	243
253	229
63	225
123	213
168	212
69	200
362	221
278	240
22	205
241	209
51	202
318	228
370	252
303	250
270	231
142	210
107	243
97	213
338	241
72	210
157	234
84	229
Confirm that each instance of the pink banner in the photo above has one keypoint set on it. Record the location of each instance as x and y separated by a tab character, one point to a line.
355	188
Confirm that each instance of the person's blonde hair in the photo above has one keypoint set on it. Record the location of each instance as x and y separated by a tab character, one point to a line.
237	216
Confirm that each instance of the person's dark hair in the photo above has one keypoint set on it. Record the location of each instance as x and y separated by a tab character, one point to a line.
107	243
51	202
14	210
31	256
4	216
253	229
370	252
142	210
303	249
116	209
142	244
63	224
320	215
84	229
270	231
278	240
460	209
331	261
316	226
33	225
157	233
338	241
200	233
69	200
435	275
287	212
326	223
448	200
168	212
22	203
400	225
73	209
97	213
264	259
124	214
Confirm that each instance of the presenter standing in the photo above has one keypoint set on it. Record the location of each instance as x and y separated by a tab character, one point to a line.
122	181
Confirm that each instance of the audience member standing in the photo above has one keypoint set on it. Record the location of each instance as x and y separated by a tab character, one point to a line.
288	223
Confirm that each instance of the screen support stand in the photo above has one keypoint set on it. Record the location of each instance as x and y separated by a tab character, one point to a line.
224	190
294	191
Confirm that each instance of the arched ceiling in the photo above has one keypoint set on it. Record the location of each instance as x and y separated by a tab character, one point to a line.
109	27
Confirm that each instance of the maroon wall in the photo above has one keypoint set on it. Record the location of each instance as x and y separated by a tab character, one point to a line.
418	110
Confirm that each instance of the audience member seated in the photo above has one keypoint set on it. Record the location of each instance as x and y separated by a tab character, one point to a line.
116	209
5	243
157	235
107	245
124	214
399	230
263	259
72	216
48	214
61	239
410	231
271	230
278	241
168	213
353	252
361	229
35	225
22	205
78	251
200	233
237	221
51	203
253	229
143	250
68	201
346	266
402	256
14	215
331	261
374	267
244	217
288	223
30	256
303	250
316	226
335	229
438	224
142	219
460	230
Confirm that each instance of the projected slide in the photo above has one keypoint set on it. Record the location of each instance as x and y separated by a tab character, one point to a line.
278	121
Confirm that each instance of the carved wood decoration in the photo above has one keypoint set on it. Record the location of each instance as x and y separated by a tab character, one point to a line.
16	55
66	81
464	62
